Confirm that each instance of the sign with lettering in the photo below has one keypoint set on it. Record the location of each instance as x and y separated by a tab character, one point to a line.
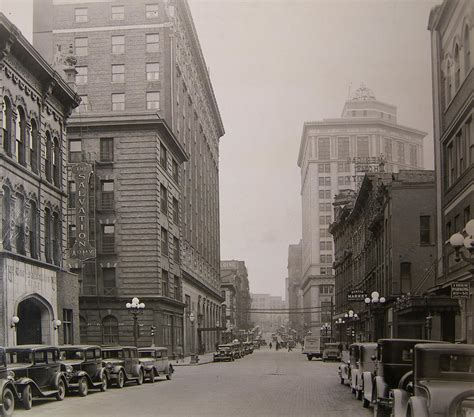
460	290
82	248
356	295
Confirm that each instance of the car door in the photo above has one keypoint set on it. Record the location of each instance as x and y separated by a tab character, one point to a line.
89	366
38	371
159	361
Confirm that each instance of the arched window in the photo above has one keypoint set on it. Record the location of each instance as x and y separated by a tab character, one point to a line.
56	239
7	125
49	157
110	330
20	136
56	162
47	235
20	224
33	233
448	83
457	68
83	329
467	51
6	219
34	147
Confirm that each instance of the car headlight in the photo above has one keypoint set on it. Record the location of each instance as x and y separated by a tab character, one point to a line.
69	369
108	365
11	374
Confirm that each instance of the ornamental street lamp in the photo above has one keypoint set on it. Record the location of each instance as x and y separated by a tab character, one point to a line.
464	242
135	309
324	328
194	357
339	322
351	316
374	299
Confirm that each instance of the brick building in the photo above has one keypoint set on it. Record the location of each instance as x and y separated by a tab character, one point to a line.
385	242
452	40
150	128
38	294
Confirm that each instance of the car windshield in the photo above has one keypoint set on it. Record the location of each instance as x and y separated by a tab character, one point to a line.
456	363
112	354
146	354
71	355
20	357
225	348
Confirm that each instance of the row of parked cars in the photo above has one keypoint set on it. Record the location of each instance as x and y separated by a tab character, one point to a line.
40	371
411	378
235	350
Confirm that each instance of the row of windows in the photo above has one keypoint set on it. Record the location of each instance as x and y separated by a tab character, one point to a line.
117	44
152	73
347	180
325	245
324	194
27	142
457	224
325	258
341	167
324	181
325	207
325	270
324	220
81	14
118	102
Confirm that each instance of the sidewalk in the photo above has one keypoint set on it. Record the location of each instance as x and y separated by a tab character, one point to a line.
203	359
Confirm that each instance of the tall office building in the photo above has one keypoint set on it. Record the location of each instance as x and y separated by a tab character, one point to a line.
334	155
149	129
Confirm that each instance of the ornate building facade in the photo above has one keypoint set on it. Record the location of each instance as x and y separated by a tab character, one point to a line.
39	298
150	126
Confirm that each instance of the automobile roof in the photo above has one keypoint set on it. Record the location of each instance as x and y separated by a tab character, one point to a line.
380	341
153	348
31	347
446	347
71	347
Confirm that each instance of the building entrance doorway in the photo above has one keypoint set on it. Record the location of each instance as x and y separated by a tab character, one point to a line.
35	322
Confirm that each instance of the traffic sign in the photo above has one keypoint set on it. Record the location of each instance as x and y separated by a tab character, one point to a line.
460	290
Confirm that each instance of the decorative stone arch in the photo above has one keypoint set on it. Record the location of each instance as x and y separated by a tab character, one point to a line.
36	316
20	102
7	93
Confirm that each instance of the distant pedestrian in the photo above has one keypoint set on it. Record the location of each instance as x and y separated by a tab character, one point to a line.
270	345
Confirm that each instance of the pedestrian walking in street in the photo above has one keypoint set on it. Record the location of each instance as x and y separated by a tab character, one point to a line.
270	345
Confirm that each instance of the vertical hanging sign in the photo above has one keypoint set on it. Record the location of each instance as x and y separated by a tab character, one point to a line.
82	248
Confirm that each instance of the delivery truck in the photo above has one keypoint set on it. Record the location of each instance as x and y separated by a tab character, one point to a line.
312	347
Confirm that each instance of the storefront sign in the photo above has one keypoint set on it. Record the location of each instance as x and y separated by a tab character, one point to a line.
82	248
356	295
460	290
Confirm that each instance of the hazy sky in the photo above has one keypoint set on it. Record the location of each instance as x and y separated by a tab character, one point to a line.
276	64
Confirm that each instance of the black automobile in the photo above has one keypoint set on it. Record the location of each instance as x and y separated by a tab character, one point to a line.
122	365
83	368
155	362
248	347
224	353
7	388
37	372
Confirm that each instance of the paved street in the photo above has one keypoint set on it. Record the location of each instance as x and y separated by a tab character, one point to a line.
266	383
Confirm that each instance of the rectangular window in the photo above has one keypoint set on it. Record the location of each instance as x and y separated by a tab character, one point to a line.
425	230
68	328
363	147
451	166
106	149
71	235
107	195
163	157
118	12
405	277
176	249
118	73
80	15
151	11
71	194
177	288
153	100
165	282
109	281
470	140
461	146
175	211
343	167
108	238
324	168
81	76
327	181
401	152
118	101
153	42
467	215
388	149
152	71
324	149
164	241
413	155
175	170
343	148
118	44
75	151
340	180
163	199
81	46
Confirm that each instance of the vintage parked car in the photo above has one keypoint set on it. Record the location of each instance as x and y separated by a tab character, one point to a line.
443	383
344	369
224	353
238	350
248	347
331	352
83	368
393	369
364	361
36	370
155	362
122	365
7	387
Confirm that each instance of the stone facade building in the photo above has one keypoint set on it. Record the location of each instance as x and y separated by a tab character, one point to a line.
150	127
385	242
269	312
333	156
294	293
452	41
38	294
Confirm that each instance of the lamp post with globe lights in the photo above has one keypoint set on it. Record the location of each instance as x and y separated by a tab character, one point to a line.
464	242
339	322
325	328
374	299
194	357
349	317
135	308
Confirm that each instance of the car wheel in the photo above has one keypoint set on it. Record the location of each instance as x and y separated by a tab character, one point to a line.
61	390
8	403
140	377
104	385
342	381
380	411
310	357
27	397
365	402
120	380
83	387
151	376
168	375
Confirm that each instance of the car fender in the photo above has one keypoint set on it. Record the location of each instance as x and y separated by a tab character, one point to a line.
457	399
62	376
418	407
116	369
381	387
405	379
368	385
21	382
400	402
136	370
8	383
